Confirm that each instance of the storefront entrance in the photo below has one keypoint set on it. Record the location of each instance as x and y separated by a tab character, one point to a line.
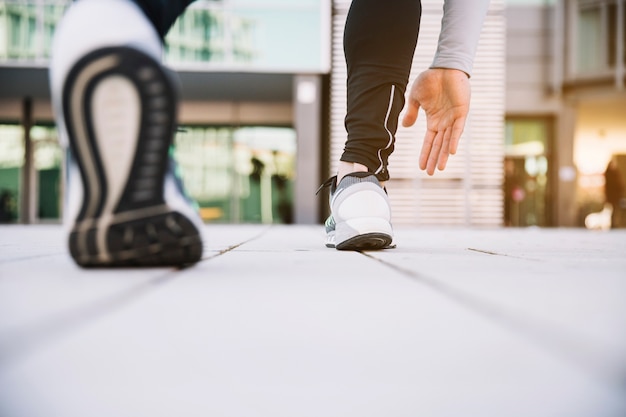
528	173
239	175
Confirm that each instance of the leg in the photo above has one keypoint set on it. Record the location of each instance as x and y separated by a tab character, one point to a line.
116	109
163	13
379	42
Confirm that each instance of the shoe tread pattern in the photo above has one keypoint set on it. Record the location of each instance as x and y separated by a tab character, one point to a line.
366	241
163	237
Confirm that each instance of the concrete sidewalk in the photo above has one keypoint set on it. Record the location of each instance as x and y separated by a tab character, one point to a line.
453	322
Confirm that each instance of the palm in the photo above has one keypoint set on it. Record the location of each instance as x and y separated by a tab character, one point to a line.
444	95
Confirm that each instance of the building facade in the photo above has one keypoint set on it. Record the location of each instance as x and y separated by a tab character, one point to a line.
250	118
262	113
565	108
469	191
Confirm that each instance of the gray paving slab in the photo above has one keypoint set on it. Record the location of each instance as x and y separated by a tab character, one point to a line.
42	292
563	288
451	323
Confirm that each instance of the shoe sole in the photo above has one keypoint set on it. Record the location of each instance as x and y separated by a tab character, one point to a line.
366	233
367	241
371	241
120	112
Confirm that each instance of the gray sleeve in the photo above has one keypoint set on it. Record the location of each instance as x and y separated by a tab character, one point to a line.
460	30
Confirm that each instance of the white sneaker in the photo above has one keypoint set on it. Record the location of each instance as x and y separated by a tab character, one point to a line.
125	205
360	213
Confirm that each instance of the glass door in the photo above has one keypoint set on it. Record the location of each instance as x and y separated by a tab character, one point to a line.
527	173
239	175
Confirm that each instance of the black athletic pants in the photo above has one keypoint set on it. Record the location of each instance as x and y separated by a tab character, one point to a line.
163	13
379	41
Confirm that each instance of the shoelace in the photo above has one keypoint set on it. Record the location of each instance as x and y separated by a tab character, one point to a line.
331	182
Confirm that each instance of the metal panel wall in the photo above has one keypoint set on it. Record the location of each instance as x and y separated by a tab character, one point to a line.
531	57
469	191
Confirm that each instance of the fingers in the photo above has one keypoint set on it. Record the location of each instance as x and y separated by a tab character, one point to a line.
439	152
429	138
457	130
439	145
411	113
436	150
442	159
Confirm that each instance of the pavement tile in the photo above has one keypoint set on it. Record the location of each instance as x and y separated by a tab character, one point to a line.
453	322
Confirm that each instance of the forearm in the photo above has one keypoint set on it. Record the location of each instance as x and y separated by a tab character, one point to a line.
460	30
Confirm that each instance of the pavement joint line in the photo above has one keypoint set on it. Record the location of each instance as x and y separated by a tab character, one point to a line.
32	257
235	246
18	343
272	250
506	255
561	345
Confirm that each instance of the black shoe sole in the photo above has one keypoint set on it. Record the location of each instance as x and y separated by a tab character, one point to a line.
128	223
367	241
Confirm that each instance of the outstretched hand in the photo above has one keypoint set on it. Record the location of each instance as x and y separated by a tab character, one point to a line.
444	95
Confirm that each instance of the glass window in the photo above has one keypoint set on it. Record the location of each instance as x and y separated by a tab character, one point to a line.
611	27
32	37
47	160
48	157
48	153
597	43
239	175
260	35
254	34
11	146
590	43
525	137
527	172
15	30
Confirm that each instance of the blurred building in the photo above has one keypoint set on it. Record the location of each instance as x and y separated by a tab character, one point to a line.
263	88
565	108
469	191
251	117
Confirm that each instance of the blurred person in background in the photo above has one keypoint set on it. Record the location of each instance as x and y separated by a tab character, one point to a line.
7	204
614	191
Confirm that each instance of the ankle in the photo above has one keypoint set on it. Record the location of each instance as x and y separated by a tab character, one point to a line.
346	168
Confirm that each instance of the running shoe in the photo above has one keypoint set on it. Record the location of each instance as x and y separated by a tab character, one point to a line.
360	216
125	207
